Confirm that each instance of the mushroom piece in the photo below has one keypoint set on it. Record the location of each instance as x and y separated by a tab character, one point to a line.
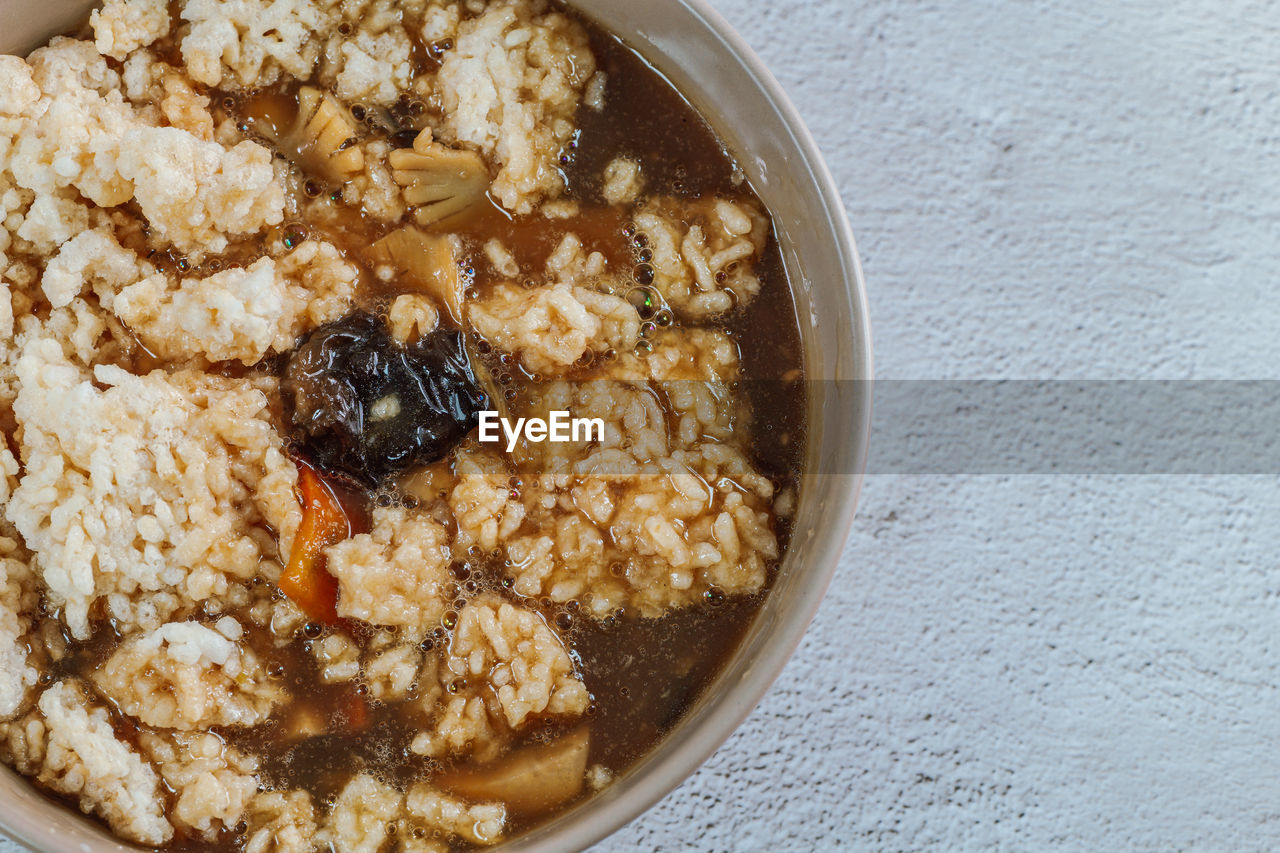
322	139
363	405
427	261
438	181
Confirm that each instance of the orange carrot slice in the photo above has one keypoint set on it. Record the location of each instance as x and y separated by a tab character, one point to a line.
324	523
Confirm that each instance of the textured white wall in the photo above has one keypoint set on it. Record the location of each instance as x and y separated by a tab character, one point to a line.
1039	189
1086	189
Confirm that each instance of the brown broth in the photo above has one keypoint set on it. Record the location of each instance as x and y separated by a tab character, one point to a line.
647	118
643	674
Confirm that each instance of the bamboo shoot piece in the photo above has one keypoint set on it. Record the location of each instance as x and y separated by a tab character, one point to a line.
438	181
321	139
427	261
488	384
530	781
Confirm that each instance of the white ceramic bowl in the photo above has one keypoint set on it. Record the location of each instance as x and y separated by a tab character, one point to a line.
690	43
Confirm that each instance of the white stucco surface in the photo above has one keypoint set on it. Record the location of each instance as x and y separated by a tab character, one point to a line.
1085	189
1039	190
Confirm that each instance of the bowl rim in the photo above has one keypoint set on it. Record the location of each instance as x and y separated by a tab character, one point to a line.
663	770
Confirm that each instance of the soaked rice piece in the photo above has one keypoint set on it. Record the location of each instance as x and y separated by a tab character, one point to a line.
68	744
9	350
411	316
163	94
20	92
82	135
18	598
122	26
679	355
622	181
395	575
481	501
504	665
557	327
655	539
642	421
387	667
69	136
87	335
375	67
196	193
665	507
391	672
185	675
213	783
93	262
248	43
463	725
358	822
241	43
510	87
433	809
338	658
520	658
9	470
280	822
375	190
572	264
553	327
178	488
501	259
276	613
241	314
704	253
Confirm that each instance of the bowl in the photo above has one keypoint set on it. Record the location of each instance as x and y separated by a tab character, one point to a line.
715	69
